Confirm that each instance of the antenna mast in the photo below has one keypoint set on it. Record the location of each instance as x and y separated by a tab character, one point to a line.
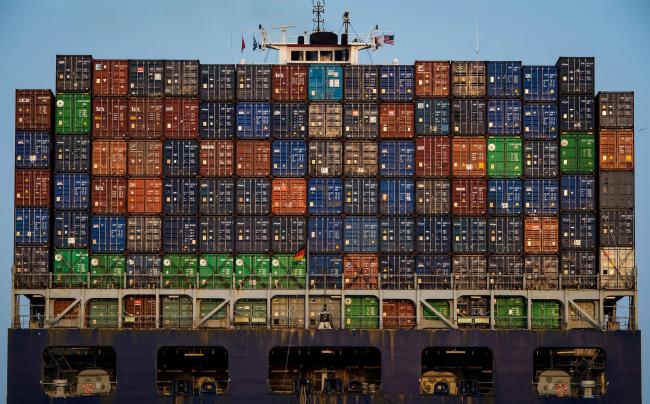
318	10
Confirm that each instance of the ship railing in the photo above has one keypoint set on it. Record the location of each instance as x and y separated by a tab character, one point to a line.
399	322
618	282
360	281
23	280
542	281
56	390
142	281
29	321
619	322
325	281
559	389
433	281
578	282
181	388
323	386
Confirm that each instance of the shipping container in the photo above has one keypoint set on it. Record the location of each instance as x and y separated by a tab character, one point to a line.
73	73
542	272
579	270
360	234
253	82
252	234
215	272
398	314
109	117
216	234
108	195
108	158
144	158
139	312
397	272
180	234
540	83
181	78
325	272
288	120
145	195
511	312
217	120
541	121
289	233
361	312
616	109
32	260
289	158
504	79
107	234
71	229
325	234
71	154
33	149
325	120
253	158
34	110
146	78
216	196
360	196
504	157
289	196
253	196
289	82
143	271
505	197
577	113
470	272
432	117
219	319
432	197
253	120
396	197
433	235
361	83
577	153
469	156
469	235
176	312
102	313
252	271
181	117
396	82
506	271
578	193
576	75
72	113
504	117
433	271
217	82
617	268
616	190
70	267
250	313
360	271
71	191
505	234
541	159
469	197
325	82
288	312
442	307
110	78
325	196
180	196
325	158
541	235
616	228
431	79
397	234
361	121
32	188
468	79
579	231
468	117
360	158
179	271
145	117
616	150
396	158
216	158
288	272
181	158
143	234
396	120
541	197
107	271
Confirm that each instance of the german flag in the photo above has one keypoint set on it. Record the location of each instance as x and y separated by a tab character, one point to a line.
300	254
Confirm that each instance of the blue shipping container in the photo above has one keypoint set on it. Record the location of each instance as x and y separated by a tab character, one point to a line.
71	229
289	158
180	234
71	191
32	150
360	234
253	120
397	272
540	83
577	113
288	120
361	196
325	82
253	196
541	197
216	234
325	196
289	233
216	196
325	271
541	159
433	235
180	196
253	234
506	235
504	117
32	226
397	234
432	117
505	197
540	122
396	82
433	271
578	231
107	234
217	120
396	197
325	234
504	79
181	158
142	270
470	235
578	192
72	154
396	158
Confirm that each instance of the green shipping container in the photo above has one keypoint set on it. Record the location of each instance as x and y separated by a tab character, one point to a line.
176	311
545	314
577	153
179	271
504	157
102	313
107	271
442	306
250	313
510	312
72	113
215	271
287	273
207	305
252	271
70	267
361	312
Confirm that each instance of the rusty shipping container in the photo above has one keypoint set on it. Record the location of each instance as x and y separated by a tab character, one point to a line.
109	117
145	195
289	196
431	79
32	188
469	157
109	157
289	82
139	312
108	195
361	271
325	120
541	235
216	158
396	120
468	197
360	159
110	78
34	110
145	117
144	158
432	156
181	118
253	158
616	150
468	79
398	314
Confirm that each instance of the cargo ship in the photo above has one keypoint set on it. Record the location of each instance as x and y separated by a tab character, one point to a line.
320	230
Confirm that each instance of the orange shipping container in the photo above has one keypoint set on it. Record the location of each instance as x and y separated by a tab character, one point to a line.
396	120
145	118
108	195
469	197
468	157
361	271
253	158
110	77
289	82
541	235
145	195
109	117
398	313
289	196
617	150
181	118
34	110
431	79
145	158
32	188
216	158
109	157
432	156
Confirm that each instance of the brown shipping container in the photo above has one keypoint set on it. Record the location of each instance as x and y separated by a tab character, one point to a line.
110	77
432	156
34	110
253	158
71	318
145	158
145	118
468	79
109	117
181	118
398	314
431	79
325	158
289	82
109	157
325	120
361	271
145	195
468	197
139	312
289	196
360	159
469	157
541	235
32	188
617	150
216	158
396	120
108	195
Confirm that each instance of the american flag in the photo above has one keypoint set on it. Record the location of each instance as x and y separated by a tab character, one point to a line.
389	39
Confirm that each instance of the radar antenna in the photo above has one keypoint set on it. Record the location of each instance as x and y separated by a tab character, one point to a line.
318	10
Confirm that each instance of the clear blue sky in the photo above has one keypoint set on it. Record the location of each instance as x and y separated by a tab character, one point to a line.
33	32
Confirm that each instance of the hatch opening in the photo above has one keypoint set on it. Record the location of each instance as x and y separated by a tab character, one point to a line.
78	371
192	371
569	372
456	371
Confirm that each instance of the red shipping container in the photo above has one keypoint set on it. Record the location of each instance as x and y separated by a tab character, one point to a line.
289	82
617	150
139	312
396	120
110	77
289	196
34	110
181	118
109	157
145	118
109	117
253	158
431	79
469	157
108	195
145	158
398	313
541	235
216	158
468	197
32	188
145	195
361	271
432	156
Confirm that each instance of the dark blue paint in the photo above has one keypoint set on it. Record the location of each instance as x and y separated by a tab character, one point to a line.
181	158
504	79
32	150
540	83
396	82
396	158
433	235
469	235
253	120
360	234
32	226
541	197
180	234
216	196
396	197
288	120
504	117
71	191
541	122
180	196
505	197
325	234
432	117
71	229
107	234
217	120
578	192
289	158
325	196
325	271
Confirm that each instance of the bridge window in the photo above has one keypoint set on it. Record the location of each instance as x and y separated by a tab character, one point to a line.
456	371
78	371
192	371
297	56
569	372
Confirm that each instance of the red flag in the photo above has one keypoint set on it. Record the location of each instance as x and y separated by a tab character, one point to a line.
243	43
300	255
